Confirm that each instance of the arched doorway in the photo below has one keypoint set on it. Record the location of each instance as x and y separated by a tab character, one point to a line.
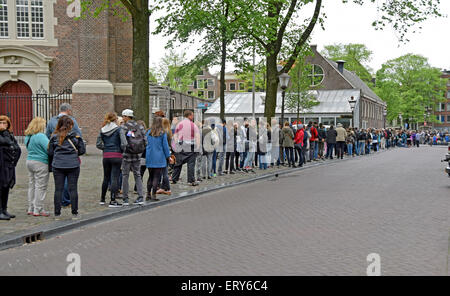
16	103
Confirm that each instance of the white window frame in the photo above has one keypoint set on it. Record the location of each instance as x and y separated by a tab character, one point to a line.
313	74
212	82
4	5
49	26
234	86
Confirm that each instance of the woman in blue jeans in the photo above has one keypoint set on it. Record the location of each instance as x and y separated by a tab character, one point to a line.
164	187
64	149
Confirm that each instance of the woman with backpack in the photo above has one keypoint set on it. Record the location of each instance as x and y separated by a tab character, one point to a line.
112	142
64	150
157	156
9	156
36	143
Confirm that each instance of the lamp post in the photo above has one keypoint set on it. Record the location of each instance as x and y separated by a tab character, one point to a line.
384	117
284	82
401	119
428	111
352	103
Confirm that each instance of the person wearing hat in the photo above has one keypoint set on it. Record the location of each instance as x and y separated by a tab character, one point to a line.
340	140
298	143
137	142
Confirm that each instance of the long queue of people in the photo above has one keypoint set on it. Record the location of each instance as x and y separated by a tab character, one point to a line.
210	148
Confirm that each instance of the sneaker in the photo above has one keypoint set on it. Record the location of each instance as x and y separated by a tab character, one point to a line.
232	173
194	184
75	217
139	201
125	202
57	217
160	191
42	213
114	204
102	202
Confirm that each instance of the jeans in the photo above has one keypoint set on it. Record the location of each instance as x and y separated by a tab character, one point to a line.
214	162
243	156
164	179
66	196
198	166
350	149
182	158
361	148
37	186
153	180
249	159
207	164
300	154
262	161
330	147
221	156
321	146
111	172
290	155
59	176
134	166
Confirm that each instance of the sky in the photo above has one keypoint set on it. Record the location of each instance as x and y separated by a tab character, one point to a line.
351	23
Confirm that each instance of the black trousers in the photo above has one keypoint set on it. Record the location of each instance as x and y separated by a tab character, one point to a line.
298	150
153	180
289	155
111	172
72	179
229	161
182	158
4	194
340	146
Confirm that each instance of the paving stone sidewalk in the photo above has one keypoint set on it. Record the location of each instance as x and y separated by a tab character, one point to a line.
89	189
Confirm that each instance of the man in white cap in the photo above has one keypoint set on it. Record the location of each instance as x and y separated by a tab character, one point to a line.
340	140
135	135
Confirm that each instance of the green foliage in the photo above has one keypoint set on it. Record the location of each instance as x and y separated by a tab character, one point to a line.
356	57
246	74
409	84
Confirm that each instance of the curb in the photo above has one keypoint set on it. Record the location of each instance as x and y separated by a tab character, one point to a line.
19	238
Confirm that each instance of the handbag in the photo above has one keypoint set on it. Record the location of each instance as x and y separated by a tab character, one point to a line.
172	159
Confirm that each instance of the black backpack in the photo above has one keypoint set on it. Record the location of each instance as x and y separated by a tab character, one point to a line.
136	144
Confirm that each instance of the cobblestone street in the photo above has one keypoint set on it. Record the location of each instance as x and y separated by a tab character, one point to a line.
320	221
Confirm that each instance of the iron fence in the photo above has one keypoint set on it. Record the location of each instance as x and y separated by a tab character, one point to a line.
21	109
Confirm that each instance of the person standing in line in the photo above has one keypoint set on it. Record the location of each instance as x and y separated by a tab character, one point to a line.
331	141
65	149
313	142
36	143
207	152
362	142
164	187
157	157
9	157
237	146
223	135
143	167
198	159
229	148
65	109
288	144
111	140
322	138
186	139
340	140
261	146
298	143
136	143
251	140
350	140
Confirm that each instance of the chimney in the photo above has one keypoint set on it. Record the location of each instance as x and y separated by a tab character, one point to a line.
314	48
341	66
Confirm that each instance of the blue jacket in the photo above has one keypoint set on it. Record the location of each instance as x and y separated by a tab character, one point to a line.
157	151
53	122
111	139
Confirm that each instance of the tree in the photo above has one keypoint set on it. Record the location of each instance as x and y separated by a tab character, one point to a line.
272	24
214	20
246	74
409	84
356	57
140	14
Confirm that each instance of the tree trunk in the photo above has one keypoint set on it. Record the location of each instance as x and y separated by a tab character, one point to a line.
140	95
222	79
272	87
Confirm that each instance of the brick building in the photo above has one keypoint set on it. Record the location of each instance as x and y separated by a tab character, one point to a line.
42	47
207	85
442	112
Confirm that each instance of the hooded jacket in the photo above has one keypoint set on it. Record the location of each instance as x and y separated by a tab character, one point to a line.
288	137
111	140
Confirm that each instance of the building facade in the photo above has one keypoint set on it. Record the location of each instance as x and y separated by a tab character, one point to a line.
442	112
207	85
41	47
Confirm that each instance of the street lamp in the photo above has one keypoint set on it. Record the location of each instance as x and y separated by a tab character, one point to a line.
352	103
284	82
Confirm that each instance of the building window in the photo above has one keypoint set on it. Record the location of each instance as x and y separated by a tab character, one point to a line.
232	86
442	118
25	24
189	92
200	84
241	86
201	94
442	107
3	19
210	82
448	118
316	75
448	95
448	106
210	94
